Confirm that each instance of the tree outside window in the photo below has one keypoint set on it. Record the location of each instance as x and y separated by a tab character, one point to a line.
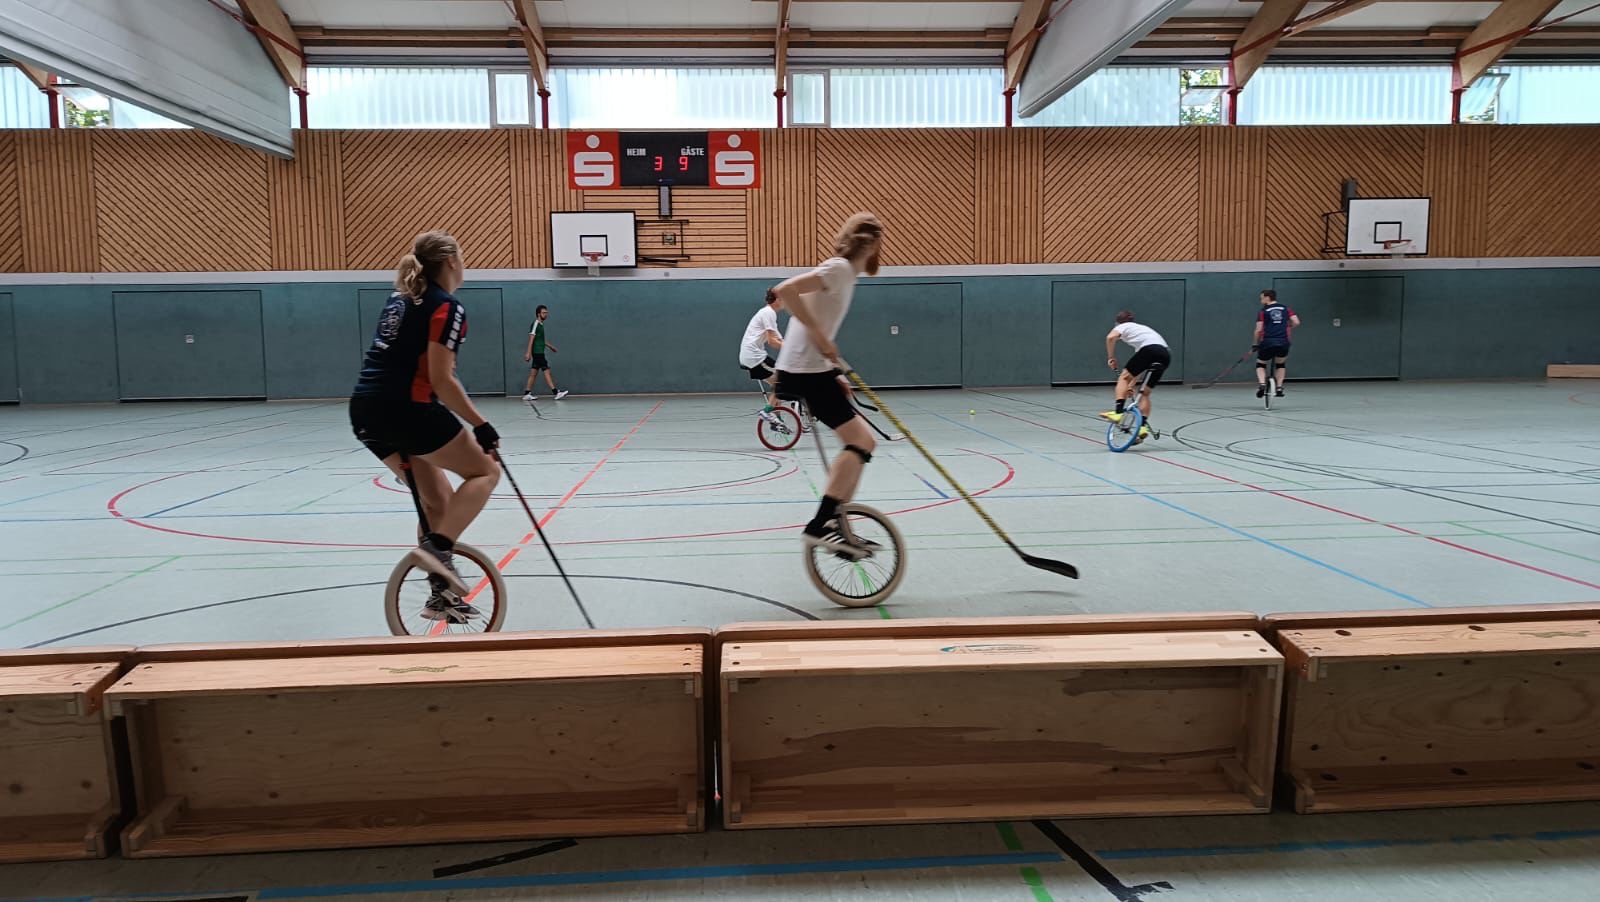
1201	91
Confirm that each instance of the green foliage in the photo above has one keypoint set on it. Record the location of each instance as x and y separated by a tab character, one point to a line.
1207	113
78	117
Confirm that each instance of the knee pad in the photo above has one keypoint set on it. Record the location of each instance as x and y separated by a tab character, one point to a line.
864	454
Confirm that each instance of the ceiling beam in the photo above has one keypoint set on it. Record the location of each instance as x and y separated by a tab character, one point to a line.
1273	22
1499	32
273	29
1025	32
39	77
533	38
780	46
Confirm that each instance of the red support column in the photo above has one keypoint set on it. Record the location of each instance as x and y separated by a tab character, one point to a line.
1232	101
781	96
305	107
1010	94
544	107
1456	90
54	97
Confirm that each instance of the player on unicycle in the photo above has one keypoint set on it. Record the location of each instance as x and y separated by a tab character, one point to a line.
1149	353
404	410
809	368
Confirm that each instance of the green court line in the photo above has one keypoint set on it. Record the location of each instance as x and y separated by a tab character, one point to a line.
1008	835
83	595
1035	882
1510	538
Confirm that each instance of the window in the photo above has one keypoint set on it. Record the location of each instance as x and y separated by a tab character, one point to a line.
808	98
688	98
396	97
22	104
915	98
1548	93
1120	95
513	98
1346	95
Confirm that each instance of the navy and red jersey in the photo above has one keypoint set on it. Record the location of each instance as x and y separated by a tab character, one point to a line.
1275	328
396	366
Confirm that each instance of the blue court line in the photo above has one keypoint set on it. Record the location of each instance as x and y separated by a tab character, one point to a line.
1183	510
592	878
1340	845
936	489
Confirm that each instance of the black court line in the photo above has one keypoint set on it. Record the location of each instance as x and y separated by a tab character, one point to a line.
1093	867
509	857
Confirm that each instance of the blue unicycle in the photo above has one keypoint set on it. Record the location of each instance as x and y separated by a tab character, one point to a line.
1123	433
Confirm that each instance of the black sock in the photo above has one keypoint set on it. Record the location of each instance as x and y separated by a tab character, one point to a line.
1121	403
440	542
826	511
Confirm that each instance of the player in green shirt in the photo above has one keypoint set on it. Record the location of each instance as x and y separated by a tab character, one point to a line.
535	355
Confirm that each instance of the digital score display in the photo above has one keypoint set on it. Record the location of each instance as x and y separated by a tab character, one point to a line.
650	158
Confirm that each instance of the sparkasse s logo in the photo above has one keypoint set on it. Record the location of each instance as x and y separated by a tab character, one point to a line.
592	160
735	159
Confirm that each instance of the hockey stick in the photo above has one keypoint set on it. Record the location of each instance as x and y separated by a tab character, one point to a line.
540	530
1058	567
1224	374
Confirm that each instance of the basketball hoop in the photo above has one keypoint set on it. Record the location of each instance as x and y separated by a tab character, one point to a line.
1398	249
594	262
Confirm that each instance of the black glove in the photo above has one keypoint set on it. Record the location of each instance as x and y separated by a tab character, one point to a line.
488	439
1254	348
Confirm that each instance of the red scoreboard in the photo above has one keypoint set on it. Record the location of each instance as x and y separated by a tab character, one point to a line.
606	160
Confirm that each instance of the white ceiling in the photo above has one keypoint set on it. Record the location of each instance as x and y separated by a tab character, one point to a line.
1388	15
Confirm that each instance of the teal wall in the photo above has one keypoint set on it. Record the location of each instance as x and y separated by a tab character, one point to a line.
299	340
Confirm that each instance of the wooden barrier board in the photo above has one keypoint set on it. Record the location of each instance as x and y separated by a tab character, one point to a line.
1572	371
58	782
895	722
1441	708
492	738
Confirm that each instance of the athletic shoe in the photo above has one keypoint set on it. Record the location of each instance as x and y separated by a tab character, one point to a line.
1111	415
770	417
1278	393
444	606
1261	391
429	557
560	395
834	542
528	396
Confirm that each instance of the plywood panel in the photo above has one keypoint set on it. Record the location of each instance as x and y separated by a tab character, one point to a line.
1455	166
915	180
1233	196
1544	192
1306	168
308	204
1009	185
783	213
10	206
56	187
1120	194
398	184
715	229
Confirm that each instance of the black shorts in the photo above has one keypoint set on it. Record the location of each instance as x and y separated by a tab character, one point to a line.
761	370
1150	357
540	363
1272	352
822	393
389	427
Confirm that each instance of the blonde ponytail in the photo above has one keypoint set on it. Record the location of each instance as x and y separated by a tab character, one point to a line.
428	254
860	238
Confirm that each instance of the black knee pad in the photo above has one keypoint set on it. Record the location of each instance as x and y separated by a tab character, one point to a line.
864	454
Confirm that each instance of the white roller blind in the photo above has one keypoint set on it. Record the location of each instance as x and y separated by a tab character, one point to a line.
184	59
1082	38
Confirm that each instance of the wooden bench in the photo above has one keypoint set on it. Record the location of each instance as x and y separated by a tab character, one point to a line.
58	782
1446	707
260	747
1572	371
947	720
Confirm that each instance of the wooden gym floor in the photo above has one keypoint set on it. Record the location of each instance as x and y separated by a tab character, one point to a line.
231	521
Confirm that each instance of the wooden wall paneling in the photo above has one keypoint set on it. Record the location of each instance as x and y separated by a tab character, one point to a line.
10	206
782	213
308	204
913	180
398	185
1009	186
715	232
1233	197
1544	192
172	200
55	183
1120	194
1455	170
538	188
1307	166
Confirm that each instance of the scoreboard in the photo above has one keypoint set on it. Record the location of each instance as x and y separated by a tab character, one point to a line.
609	160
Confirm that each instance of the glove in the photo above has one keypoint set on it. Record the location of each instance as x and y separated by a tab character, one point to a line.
488	439
1254	348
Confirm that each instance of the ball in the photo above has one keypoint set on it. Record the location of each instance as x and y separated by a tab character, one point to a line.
972	413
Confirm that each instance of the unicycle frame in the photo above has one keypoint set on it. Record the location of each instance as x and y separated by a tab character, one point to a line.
1272	381
496	582
1140	387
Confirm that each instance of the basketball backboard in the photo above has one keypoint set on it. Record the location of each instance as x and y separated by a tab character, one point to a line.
1375	225
575	237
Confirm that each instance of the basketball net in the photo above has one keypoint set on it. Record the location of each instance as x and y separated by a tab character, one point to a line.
594	263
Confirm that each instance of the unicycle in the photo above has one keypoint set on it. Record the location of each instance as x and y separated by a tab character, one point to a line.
1272	383
1123	433
417	603
779	428
871	579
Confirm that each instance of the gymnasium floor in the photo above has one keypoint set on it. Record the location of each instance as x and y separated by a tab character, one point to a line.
231	521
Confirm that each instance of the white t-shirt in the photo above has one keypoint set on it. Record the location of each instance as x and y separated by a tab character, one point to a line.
828	307
753	349
1136	336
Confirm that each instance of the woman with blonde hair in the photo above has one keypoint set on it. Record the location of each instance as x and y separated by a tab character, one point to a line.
405	406
809	367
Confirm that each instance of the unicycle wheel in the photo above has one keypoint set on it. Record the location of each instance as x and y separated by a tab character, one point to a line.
1124	434
781	431
866	582
406	599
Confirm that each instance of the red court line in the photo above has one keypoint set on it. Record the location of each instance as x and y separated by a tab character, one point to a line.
1334	510
165	448
111	508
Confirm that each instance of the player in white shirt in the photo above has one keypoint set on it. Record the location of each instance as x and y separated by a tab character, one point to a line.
809	367
762	331
1149	353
